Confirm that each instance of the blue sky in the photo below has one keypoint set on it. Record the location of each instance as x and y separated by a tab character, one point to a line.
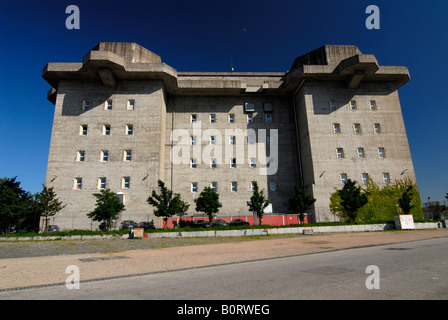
206	36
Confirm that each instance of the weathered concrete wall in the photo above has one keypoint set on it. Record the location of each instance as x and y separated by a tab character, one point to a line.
282	176
319	142
148	120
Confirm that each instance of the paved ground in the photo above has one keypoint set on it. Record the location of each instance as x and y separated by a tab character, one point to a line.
24	264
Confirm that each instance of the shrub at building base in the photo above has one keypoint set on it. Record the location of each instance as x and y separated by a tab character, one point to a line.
382	203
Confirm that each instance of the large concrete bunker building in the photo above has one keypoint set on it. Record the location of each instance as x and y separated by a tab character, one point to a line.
123	120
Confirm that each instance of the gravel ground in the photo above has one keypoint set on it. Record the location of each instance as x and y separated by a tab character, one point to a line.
23	249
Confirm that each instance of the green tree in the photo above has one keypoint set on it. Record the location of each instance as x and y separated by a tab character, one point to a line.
14	202
352	199
208	202
300	202
47	205
258	202
405	201
167	203
108	208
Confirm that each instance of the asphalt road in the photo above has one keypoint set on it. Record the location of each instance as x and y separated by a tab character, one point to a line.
411	270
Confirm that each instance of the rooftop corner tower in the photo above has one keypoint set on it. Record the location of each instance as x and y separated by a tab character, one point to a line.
121	112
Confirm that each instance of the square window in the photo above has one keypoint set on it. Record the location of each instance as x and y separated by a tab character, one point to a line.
252	162
336	128
193	163
125	182
251	139
250	118
104	155
78	183
85	105
129	129
212	118
83	130
108	105
234	186
193	118
81	156
332	105
252	185
193	140
365	178
232	140
356	128
269	118
194	187
376	128
249	107
214	186
353	105
381	153
106	130
372	104
231	118
343	177
340	153
268	107
360	152
212	163
212	140
102	183
272	186
130	105
127	155
386	178
233	163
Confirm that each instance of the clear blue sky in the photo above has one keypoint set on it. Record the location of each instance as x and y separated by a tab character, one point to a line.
205	36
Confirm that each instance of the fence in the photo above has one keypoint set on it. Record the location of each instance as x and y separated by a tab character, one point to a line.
271	219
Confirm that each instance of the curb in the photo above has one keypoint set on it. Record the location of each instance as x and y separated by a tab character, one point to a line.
235	233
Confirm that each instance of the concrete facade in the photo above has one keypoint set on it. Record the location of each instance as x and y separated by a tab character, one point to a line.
123	120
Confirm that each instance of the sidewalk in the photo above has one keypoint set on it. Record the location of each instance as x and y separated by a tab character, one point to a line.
36	271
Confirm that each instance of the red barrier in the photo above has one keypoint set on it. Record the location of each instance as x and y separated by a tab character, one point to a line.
273	220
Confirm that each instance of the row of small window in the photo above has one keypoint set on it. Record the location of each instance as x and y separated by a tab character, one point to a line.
353	105
233	186
106	130
104	155
232	140
102	183
231	118
232	163
360	152
357	128
108	105
365	177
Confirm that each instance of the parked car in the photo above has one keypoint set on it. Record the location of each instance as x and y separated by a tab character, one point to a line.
219	222
53	228
146	225
238	222
200	224
128	224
